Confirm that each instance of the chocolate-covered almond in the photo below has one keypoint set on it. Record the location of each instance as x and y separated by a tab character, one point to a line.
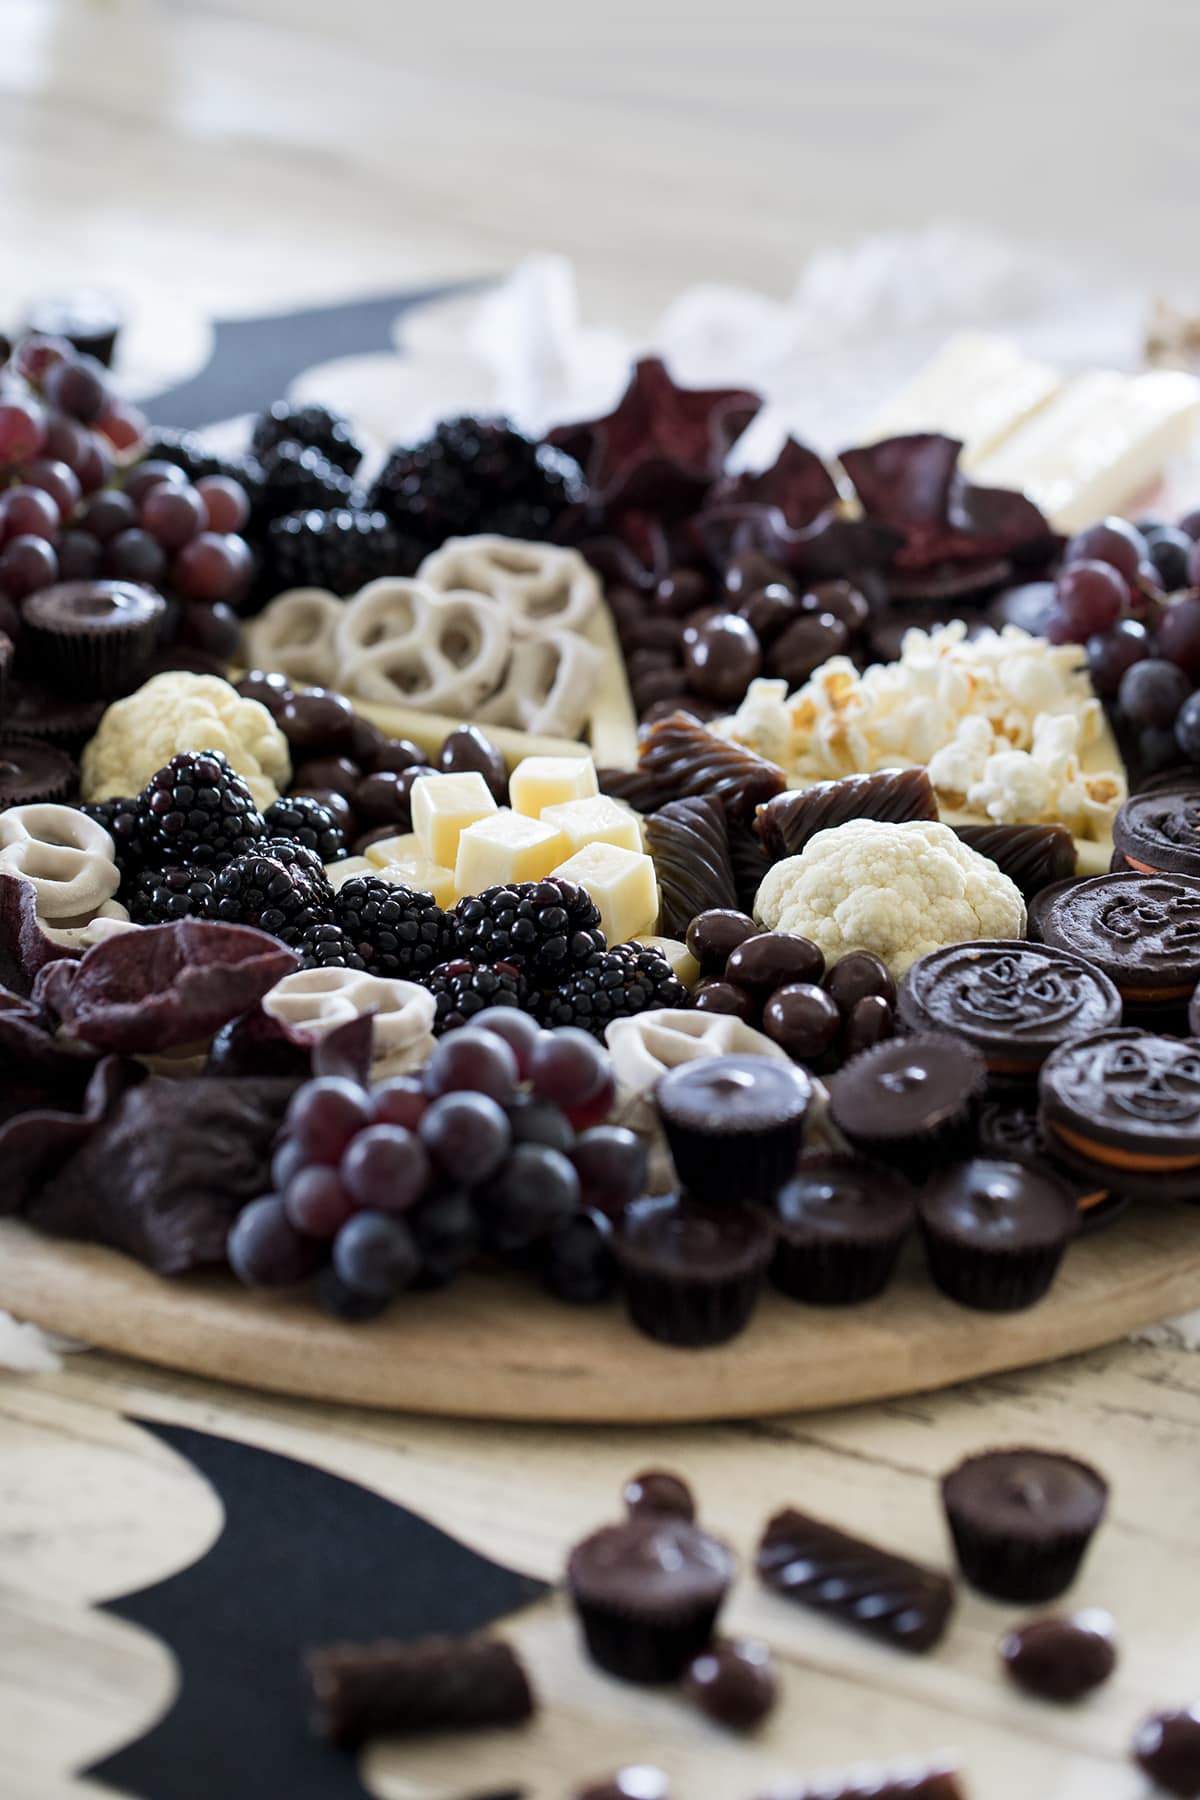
722	656
466	749
713	935
733	1683
1167	1748
774	959
657	1490
1061	1658
803	1020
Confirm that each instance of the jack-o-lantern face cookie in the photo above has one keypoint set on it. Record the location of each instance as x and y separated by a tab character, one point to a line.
1159	832
1014	1002
1126	1105
1143	931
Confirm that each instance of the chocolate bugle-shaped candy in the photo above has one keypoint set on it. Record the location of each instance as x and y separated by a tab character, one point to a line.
901	1602
689	759
1033	856
362	1690
690	846
894	796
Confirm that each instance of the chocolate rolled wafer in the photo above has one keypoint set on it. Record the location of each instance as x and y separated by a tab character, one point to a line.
749	860
360	1690
1033	856
690	846
894	797
817	1565
902	1781
689	759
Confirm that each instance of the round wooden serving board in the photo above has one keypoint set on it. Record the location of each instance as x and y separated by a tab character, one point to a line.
492	1347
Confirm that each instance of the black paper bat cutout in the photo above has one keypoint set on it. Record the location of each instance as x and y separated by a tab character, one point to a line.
304	1558
255	360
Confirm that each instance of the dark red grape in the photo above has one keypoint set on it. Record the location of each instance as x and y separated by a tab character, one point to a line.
400	1101
518	1030
473	1061
152	474
1187	728
567	1067
265	1249
134	555
1190	525
66	440
78	386
226	507
30	512
447	1233
376	1253
611	1165
78	555
1169	551
1179	634
95	465
596	1108
289	1158
1109	656
534	1193
316	1202
123	424
325	1114
57	480
534	1121
467	1135
386	1168
213	567
105	514
1028	607
348	1304
173	516
1152	692
1113	541
1193	569
1157	750
1090	597
214	629
37	353
26	564
22	432
577	1265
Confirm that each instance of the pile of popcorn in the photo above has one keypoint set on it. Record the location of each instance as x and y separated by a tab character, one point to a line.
1002	722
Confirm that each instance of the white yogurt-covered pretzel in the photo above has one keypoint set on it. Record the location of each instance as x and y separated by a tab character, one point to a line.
539	585
294	636
314	1002
549	686
66	857
109	920
401	643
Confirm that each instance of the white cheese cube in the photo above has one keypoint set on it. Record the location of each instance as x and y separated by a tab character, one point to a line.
683	963
541	781
600	820
622	884
402	861
506	847
442	808
347	869
978	388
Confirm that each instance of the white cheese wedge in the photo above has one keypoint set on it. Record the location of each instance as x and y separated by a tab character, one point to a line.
600	820
978	388
541	781
401	860
1106	437
442	808
622	884
504	847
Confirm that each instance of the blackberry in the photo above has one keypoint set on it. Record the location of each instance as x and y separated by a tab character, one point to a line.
158	896
295	477
399	932
328	947
197	810
300	817
463	988
340	550
192	455
476	475
549	928
278	886
315	427
613	984
122	820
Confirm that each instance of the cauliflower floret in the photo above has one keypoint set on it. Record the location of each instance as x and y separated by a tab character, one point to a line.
175	712
899	890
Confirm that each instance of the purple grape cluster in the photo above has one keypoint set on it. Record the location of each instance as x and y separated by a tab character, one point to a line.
496	1147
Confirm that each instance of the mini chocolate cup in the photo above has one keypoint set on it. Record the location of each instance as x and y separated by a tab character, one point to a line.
1029	1550
92	638
651	1653
834	1274
691	1275
987	1281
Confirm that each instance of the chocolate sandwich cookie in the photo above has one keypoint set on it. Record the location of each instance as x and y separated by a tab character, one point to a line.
1022	1519
92	638
734	1125
1012	1002
647	1592
1142	931
1159	833
840	1222
995	1232
1122	1108
1010	1132
31	772
910	1102
691	1274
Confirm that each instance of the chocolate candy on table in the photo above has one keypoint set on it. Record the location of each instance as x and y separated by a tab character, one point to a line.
712	935
647	1592
1014	1002
733	1683
723	997
657	1490
995	1231
689	843
691	1273
638	1781
91	638
894	796
803	1020
1159	832
840	1222
689	759
1166	1746
733	1125
774	959
721	657
1143	931
815	1564
1061	1658
1033	856
1022	1519
859	975
362	1690
1122	1108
